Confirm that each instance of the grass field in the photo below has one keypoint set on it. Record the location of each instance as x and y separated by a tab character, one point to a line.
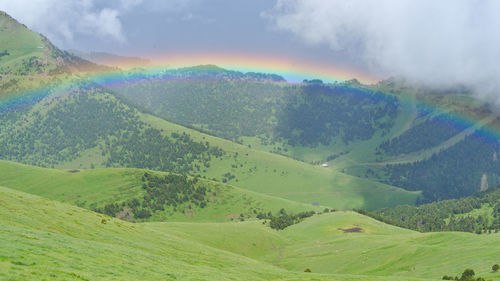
96	187
48	240
319	243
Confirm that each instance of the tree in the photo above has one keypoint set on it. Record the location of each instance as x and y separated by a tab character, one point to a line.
467	275
495	267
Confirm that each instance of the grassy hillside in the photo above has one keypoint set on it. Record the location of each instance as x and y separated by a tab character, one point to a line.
44	239
263	113
24	52
357	129
284	177
324	244
50	240
96	188
92	128
19	44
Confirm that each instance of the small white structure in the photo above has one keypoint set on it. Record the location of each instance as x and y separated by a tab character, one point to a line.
324	165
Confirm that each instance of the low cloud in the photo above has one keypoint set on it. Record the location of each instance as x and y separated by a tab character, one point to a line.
62	21
439	43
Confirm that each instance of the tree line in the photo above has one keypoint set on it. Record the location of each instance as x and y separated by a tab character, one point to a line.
446	215
172	191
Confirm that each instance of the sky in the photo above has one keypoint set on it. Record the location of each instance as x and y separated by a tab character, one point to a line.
437	43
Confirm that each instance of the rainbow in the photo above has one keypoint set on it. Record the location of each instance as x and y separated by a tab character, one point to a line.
294	71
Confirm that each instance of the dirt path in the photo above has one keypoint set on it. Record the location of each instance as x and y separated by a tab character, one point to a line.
412	116
422	155
40	75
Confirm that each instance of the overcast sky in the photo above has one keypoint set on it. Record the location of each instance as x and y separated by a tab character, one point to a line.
141	27
441	43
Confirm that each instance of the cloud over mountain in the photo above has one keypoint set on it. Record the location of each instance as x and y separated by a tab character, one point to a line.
441	43
61	21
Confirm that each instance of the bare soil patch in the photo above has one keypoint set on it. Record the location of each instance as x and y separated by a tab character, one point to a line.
352	230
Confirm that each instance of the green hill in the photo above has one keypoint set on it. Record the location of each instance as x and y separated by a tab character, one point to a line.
24	52
45	239
372	132
387	132
96	188
325	244
90	127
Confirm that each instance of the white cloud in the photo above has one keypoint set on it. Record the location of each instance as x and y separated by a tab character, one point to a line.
104	23
440	43
61	21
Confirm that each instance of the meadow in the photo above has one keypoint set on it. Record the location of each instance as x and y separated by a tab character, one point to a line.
48	240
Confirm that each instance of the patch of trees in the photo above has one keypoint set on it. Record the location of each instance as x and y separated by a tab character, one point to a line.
446	215
153	150
61	129
322	112
228	176
452	173
215	72
467	275
161	192
225	108
4	53
283	220
426	134
306	114
335	156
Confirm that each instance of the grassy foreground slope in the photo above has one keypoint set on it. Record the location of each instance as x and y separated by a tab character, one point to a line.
324	244
47	240
95	188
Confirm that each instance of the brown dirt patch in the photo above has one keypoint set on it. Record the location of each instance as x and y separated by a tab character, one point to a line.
73	171
352	230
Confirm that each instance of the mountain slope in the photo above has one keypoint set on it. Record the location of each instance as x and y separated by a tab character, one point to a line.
329	243
50	240
112	60
96	188
24	52
355	128
479	213
89	127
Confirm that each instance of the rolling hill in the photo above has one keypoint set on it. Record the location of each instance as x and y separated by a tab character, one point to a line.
95	188
389	132
357	129
330	243
49	240
90	127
